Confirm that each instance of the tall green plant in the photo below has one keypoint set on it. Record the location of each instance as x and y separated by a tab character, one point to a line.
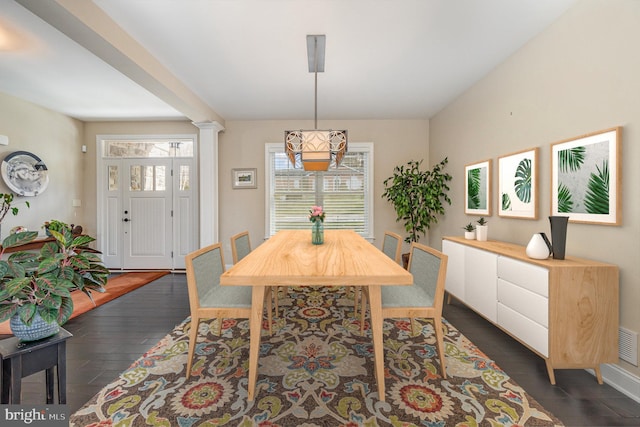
417	196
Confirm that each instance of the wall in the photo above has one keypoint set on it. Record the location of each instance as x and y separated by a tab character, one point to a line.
242	145
56	139
578	76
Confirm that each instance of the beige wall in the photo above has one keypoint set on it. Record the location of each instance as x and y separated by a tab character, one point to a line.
242	145
580	75
56	139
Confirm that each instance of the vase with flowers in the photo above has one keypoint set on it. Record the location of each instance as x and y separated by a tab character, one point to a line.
316	216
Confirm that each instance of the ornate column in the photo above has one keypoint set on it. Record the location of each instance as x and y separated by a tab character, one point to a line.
208	181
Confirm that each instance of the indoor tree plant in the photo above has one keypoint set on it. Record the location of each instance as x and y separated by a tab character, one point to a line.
417	196
35	287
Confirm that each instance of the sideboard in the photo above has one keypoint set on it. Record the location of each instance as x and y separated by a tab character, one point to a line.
566	311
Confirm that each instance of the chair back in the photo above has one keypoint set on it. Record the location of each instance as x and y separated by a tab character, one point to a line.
204	268
392	245
240	246
429	269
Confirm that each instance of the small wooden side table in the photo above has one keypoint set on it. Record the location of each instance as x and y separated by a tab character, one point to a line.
21	359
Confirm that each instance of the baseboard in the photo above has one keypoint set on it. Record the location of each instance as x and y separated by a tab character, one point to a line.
623	381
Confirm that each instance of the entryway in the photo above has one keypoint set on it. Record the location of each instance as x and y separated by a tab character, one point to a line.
147	201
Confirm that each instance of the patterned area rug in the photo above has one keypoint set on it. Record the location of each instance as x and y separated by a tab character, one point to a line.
315	370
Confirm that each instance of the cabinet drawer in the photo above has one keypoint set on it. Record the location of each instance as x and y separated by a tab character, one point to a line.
531	277
533	334
525	302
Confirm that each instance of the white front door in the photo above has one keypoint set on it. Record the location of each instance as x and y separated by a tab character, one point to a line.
148	212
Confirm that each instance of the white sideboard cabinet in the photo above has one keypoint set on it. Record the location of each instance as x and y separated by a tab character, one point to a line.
566	311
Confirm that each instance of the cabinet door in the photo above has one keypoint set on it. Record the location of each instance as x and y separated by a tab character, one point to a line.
480	282
455	268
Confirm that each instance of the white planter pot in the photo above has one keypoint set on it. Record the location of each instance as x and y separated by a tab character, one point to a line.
481	232
470	235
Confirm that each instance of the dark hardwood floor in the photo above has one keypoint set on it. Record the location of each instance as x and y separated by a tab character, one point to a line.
109	338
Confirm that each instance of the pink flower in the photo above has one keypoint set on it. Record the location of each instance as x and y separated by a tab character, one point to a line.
316	214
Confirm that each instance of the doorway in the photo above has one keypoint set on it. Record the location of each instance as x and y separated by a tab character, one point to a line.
147	204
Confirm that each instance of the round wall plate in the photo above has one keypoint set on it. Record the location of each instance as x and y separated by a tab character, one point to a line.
25	173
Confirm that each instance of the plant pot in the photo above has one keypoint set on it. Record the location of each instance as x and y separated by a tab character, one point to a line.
405	261
481	232
38	329
470	235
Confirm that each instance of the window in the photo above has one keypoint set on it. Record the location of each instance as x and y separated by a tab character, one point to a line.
345	193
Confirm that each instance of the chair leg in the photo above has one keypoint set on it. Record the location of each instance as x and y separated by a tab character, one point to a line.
437	323
193	336
220	319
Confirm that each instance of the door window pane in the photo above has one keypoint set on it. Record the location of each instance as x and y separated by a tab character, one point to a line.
113	178
147	178
159	148
184	184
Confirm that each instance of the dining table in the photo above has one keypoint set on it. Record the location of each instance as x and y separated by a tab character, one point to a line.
288	258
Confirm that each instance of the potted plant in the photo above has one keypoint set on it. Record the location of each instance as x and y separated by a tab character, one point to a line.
53	225
469	232
6	206
417	196
482	229
35	287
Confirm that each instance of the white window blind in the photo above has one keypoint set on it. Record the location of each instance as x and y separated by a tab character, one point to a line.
345	193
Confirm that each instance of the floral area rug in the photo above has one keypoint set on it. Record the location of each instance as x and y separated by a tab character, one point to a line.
315	370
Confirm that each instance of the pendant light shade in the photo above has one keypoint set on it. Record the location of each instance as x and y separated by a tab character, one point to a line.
315	150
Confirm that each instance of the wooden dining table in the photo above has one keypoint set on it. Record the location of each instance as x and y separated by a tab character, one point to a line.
290	259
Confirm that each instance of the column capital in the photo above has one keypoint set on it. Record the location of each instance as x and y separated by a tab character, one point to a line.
209	125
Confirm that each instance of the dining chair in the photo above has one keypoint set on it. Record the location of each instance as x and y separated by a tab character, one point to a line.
207	298
423	299
391	246
240	248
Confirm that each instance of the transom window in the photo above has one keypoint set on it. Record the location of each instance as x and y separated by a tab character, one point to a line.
345	192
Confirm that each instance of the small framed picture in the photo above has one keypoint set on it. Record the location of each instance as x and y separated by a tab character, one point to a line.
518	185
477	188
243	178
586	178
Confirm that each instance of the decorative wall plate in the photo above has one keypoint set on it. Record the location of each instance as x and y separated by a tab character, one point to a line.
25	173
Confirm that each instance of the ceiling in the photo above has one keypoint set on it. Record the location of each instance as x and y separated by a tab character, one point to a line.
220	60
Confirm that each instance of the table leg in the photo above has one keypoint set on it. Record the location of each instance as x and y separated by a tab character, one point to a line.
62	373
375	310
255	328
48	375
16	380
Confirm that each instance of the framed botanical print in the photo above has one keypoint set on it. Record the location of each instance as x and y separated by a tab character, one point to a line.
477	188
518	185
586	177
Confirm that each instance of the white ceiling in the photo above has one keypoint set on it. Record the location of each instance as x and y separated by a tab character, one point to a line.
247	59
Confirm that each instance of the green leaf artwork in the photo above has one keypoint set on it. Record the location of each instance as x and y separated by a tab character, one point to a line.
565	202
473	185
522	183
506	202
597	198
571	159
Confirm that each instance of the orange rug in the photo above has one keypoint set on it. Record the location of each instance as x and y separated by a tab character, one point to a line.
116	286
